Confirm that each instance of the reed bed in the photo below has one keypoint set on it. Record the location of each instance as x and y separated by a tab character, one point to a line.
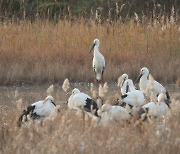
67	132
46	52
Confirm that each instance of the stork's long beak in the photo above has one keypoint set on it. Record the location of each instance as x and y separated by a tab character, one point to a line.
127	88
92	47
137	80
168	102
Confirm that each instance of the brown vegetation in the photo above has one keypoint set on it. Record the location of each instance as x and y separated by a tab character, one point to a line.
66	132
42	51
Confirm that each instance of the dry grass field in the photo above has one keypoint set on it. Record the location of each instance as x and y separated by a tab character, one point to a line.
46	52
67	132
43	53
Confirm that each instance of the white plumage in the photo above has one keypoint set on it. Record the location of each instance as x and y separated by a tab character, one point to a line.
150	87
77	99
157	109
144	74
45	107
121	81
133	97
40	109
80	100
110	113
98	61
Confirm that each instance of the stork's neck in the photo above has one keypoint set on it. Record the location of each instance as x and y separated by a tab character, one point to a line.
144	78
143	82
131	87
122	84
96	50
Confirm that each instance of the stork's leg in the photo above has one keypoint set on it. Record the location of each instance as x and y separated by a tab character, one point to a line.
98	81
102	77
95	81
94	69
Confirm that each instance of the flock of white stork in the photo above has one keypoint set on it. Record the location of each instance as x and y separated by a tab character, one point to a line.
157	105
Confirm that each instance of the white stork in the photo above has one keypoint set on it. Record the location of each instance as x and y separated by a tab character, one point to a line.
155	87
132	97
98	61
80	100
157	109
40	109
110	113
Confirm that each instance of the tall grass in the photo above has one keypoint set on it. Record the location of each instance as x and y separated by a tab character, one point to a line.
67	132
44	52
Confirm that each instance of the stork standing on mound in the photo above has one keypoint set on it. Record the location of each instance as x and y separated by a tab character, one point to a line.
98	61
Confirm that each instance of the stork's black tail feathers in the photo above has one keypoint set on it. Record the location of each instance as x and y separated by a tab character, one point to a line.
29	109
141	112
124	96
123	104
89	103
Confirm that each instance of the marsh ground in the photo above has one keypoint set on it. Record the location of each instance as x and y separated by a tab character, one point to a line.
43	52
67	133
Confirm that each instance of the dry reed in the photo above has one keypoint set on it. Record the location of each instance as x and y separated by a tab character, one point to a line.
66	132
44	52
